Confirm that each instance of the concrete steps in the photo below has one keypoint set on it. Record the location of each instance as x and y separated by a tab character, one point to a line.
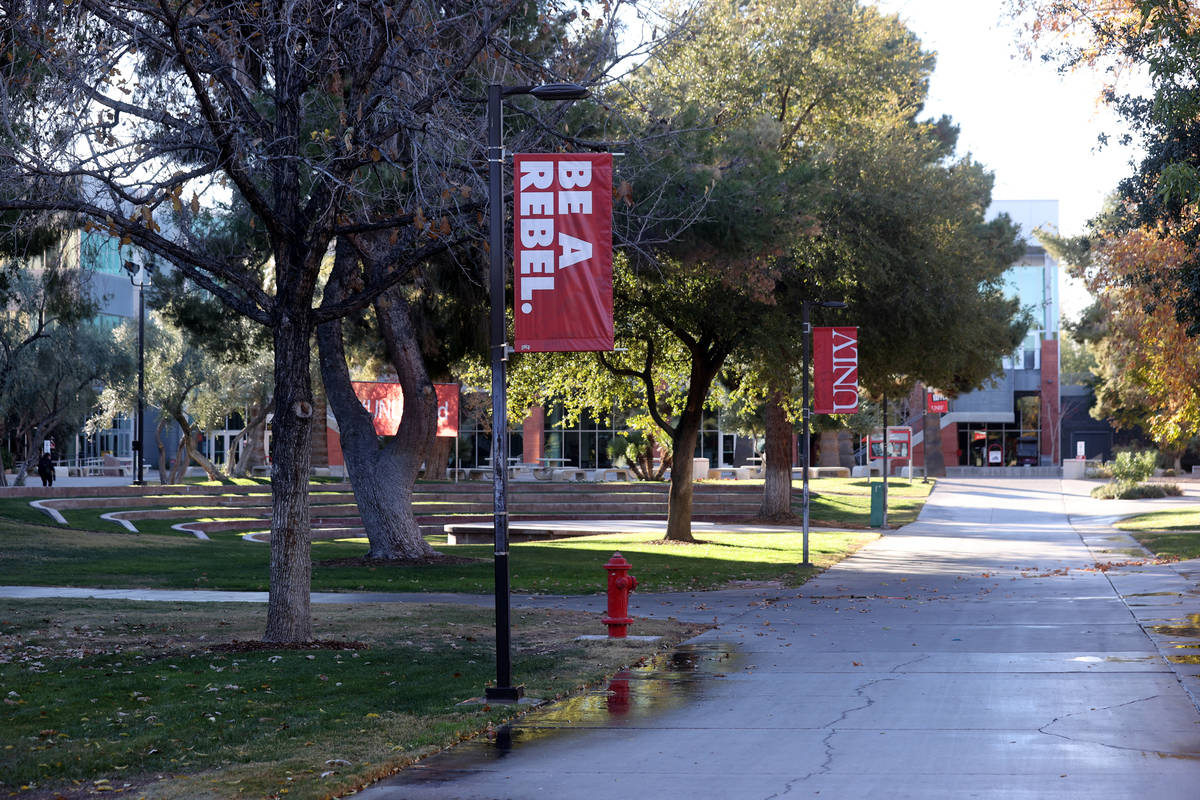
435	504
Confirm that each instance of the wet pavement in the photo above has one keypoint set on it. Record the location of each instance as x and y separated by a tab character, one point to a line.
977	653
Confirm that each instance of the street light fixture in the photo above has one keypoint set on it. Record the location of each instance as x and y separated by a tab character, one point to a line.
806	329
504	691
140	279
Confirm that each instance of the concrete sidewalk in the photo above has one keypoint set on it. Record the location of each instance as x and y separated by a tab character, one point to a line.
977	653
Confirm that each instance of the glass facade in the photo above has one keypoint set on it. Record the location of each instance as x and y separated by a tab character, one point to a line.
475	441
992	444
584	444
99	252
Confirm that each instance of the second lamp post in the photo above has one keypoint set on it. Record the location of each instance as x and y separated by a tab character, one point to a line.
504	691
806	329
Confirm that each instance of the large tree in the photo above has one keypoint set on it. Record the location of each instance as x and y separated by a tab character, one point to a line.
777	89
49	357
858	201
323	120
1160	39
1146	373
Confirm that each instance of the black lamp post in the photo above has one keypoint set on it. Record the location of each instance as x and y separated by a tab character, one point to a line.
140	279
806	329
504	691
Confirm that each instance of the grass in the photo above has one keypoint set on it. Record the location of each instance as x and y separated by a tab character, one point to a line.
33	552
835	502
50	556
145	699
1167	534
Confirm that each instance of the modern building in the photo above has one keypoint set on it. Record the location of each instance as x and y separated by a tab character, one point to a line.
1015	420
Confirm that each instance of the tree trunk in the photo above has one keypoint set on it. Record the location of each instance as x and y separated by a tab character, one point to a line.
705	365
437	460
193	451
383	474
935	459
3	468
679	499
289	613
254	453
246	450
777	476
182	461
160	428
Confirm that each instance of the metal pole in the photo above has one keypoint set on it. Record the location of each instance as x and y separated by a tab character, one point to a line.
886	445
140	422
924	438
806	330
503	691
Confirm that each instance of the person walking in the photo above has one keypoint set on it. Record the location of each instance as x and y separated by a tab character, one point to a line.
45	468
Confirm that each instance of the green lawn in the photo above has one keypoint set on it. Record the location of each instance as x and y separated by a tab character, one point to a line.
159	699
1167	534
48	556
36	552
847	501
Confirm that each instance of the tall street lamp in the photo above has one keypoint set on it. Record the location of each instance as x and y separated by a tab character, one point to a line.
806	329
504	691
140	279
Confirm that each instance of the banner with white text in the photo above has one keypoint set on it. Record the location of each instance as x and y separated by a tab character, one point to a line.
384	401
562	252
835	370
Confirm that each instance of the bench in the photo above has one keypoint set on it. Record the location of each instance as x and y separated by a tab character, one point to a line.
569	474
723	473
609	474
828	472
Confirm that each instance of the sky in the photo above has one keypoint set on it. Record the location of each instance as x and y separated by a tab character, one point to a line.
1034	129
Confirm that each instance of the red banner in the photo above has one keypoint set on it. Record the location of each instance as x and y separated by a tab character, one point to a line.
385	402
835	370
562	252
938	403
447	409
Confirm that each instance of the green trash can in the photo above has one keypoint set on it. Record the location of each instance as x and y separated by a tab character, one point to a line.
877	505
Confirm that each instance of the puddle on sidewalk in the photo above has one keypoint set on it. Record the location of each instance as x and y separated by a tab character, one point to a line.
1191	658
669	680
1186	627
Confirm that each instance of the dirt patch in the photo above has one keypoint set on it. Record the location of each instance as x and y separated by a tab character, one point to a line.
429	561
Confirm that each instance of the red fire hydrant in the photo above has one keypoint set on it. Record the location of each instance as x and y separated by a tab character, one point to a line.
620	584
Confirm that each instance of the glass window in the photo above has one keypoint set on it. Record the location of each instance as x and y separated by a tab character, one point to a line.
99	252
1029	410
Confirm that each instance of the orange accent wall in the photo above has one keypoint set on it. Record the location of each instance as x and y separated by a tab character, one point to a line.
533	435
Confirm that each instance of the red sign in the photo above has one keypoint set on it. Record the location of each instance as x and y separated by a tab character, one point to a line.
938	402
447	409
385	403
562	252
835	370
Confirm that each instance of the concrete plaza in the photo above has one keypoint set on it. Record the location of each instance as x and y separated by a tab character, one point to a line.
979	653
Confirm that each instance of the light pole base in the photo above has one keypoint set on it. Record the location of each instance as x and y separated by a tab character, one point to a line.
504	694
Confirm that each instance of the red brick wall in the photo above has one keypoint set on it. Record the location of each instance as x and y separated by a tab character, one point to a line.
1051	413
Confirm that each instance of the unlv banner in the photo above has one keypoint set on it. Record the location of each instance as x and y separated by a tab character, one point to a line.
385	403
562	252
938	402
835	370
447	409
